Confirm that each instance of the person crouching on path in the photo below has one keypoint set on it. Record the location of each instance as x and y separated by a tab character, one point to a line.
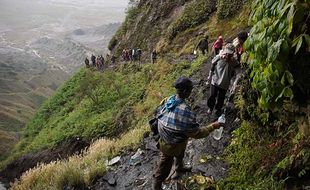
223	68
176	124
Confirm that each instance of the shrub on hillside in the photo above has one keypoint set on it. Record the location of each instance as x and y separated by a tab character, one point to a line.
194	13
113	42
228	8
281	73
131	14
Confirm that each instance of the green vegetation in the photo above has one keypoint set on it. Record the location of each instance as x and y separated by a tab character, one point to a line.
131	14
89	105
271	143
194	14
269	149
96	105
280	27
185	42
229	8
250	154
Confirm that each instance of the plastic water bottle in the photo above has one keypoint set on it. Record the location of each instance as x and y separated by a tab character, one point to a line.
217	133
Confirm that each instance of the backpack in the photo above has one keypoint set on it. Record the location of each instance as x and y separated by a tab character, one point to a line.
153	122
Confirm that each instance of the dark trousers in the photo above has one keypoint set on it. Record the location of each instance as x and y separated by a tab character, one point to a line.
164	168
204	51
216	98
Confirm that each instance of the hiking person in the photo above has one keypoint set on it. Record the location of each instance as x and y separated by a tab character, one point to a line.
203	45
216	49
93	59
139	53
177	123
98	62
217	46
124	54
101	62
134	54
153	56
130	54
223	68
86	62
238	43
113	58
107	58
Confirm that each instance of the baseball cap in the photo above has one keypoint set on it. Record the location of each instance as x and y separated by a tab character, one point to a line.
183	83
229	49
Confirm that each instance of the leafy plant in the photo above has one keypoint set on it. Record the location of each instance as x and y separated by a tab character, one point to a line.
279	33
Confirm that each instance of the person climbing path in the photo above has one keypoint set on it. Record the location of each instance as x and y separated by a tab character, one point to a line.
218	45
176	123
223	67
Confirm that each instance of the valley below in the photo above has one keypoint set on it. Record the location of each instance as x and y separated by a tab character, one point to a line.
42	44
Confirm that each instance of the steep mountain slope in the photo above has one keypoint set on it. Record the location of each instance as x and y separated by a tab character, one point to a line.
25	83
75	118
32	74
268	150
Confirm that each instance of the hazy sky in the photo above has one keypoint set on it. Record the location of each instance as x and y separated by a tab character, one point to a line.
24	19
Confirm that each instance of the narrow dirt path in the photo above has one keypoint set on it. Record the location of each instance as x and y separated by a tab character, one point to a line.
124	175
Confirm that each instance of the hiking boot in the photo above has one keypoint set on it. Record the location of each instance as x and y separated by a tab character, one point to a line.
177	173
185	169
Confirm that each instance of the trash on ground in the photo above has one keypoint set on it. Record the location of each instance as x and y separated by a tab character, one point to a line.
136	158
113	161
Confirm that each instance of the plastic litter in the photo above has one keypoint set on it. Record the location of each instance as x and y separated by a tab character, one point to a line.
113	161
136	158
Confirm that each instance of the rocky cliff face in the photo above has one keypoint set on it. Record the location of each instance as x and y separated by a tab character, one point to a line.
152	24
171	25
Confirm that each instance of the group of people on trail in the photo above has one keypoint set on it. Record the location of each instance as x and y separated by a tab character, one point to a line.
99	61
224	67
135	54
176	123
127	55
131	54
